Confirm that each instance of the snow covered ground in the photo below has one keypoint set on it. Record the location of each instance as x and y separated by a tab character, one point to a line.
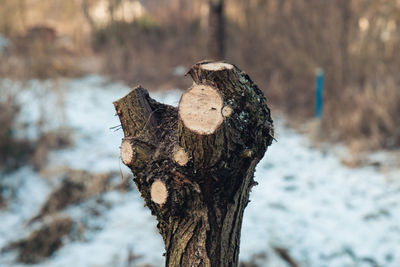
322	212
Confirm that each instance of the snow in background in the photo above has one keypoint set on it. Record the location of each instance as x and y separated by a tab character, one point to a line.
324	213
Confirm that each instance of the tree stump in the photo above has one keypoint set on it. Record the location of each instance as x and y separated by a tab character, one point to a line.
194	165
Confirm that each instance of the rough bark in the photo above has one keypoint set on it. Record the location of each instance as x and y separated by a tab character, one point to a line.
194	165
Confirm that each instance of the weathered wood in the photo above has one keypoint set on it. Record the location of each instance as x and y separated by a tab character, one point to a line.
194	165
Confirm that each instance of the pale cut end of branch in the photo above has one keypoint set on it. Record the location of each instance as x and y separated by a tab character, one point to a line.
227	111
127	153
158	192
180	156
200	109
216	66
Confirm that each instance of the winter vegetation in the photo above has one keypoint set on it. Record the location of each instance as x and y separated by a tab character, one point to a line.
328	186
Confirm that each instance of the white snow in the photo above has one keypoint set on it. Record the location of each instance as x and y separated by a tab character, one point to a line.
28	192
324	213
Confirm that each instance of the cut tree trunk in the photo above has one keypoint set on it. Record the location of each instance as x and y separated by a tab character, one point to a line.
194	165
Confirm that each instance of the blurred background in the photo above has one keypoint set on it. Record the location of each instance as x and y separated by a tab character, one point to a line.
330	72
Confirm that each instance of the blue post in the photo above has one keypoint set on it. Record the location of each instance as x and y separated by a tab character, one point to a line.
319	86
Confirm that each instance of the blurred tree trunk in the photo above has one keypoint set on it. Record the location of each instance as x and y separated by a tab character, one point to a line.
112	8
194	165
216	37
87	15
346	22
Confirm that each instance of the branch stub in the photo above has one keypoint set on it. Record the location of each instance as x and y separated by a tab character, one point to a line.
158	192
227	111
127	153
200	109
180	156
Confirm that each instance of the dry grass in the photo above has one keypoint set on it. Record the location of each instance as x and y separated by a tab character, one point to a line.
48	141
3	202
38	54
13	152
42	243
76	187
370	119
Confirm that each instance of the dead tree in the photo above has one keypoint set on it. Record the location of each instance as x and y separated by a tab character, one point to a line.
194	164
